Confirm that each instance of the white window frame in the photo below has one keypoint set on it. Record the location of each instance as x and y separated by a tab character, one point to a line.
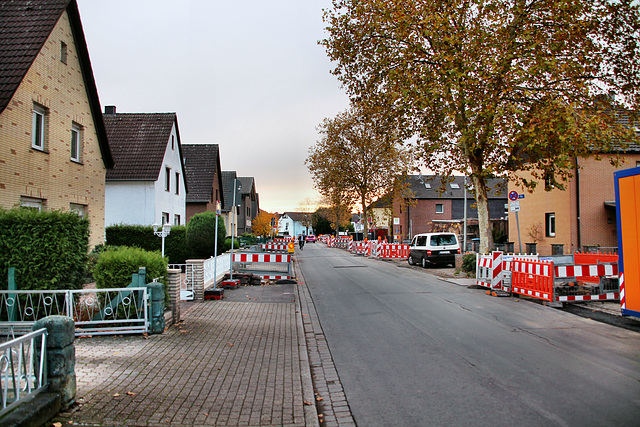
165	218
76	140
38	127
32	203
441	206
176	219
80	210
550	224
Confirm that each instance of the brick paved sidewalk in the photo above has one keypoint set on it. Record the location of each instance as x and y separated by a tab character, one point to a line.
225	364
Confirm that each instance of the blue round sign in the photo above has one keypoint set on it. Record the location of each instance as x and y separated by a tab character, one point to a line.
513	195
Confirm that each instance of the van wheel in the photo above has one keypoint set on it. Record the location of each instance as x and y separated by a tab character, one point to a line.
423	261
410	260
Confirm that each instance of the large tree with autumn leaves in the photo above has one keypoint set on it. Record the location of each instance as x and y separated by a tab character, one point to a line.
494	87
357	160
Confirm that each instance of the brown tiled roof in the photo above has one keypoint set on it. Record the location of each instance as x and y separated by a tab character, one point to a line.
138	143
201	161
25	26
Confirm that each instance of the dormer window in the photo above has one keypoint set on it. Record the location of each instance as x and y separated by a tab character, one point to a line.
455	185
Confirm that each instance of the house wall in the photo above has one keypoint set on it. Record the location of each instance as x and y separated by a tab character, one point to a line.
597	223
130	202
168	201
51	175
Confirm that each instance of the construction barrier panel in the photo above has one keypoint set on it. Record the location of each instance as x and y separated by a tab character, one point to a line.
267	266
494	271
542	280
392	250
586	258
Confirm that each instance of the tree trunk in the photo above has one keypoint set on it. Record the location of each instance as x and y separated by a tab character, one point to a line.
484	224
365	234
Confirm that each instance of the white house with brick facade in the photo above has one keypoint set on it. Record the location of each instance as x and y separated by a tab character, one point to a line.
54	152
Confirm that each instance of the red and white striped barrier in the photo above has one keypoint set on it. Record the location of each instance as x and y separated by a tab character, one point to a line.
280	247
392	251
494	271
538	279
267	266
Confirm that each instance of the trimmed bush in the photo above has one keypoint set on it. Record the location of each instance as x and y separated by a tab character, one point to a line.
48	249
227	244
201	234
116	265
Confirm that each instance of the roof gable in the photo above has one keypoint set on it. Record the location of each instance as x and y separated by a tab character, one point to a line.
25	26
201	162
138	142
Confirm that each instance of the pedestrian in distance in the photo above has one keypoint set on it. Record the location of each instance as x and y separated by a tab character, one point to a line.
301	241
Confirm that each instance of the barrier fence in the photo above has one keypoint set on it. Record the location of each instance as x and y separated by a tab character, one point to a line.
267	266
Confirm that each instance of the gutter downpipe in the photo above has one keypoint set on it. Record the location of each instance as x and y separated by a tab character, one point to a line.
579	230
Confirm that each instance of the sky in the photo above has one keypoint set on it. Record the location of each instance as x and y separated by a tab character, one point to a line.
248	75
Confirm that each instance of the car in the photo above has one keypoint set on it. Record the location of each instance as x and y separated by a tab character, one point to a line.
433	249
311	238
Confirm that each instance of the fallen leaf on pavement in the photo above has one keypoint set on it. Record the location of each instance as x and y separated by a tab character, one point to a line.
306	402
130	393
116	395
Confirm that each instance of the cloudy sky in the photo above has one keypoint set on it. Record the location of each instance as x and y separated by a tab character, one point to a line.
248	75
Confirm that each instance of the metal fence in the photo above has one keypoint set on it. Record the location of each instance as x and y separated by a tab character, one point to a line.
22	368
94	311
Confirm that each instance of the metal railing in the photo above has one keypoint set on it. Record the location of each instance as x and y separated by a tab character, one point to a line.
22	368
94	311
218	266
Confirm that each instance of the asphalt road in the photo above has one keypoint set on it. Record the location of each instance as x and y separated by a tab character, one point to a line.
413	350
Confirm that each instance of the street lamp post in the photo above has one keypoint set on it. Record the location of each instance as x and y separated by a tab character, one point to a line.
162	232
236	187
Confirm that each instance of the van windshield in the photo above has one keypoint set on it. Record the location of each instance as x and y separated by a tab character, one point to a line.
443	240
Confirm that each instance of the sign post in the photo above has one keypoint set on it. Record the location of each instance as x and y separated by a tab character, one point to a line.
514	206
215	247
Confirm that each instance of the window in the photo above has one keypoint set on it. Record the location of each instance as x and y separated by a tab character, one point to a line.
177	182
38	131
455	185
80	210
173	142
31	203
76	142
550	224
176	220
167	179
439	208
165	218
63	52
427	185
248	211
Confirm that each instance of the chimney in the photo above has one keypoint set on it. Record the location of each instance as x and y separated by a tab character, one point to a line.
109	109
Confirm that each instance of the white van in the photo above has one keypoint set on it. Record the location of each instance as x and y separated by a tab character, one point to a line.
434	249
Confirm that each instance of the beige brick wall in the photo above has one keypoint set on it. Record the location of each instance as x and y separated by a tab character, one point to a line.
51	175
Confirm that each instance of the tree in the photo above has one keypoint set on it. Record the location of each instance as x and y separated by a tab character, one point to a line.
494	87
358	154
306	207
261	224
201	234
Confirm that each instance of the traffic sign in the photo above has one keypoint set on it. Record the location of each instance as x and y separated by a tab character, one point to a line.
513	195
514	206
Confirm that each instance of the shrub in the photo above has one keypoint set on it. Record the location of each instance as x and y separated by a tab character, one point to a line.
469	263
116	265
48	249
200	236
227	244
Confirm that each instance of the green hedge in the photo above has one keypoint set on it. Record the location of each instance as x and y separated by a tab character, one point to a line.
116	265
175	244
48	249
